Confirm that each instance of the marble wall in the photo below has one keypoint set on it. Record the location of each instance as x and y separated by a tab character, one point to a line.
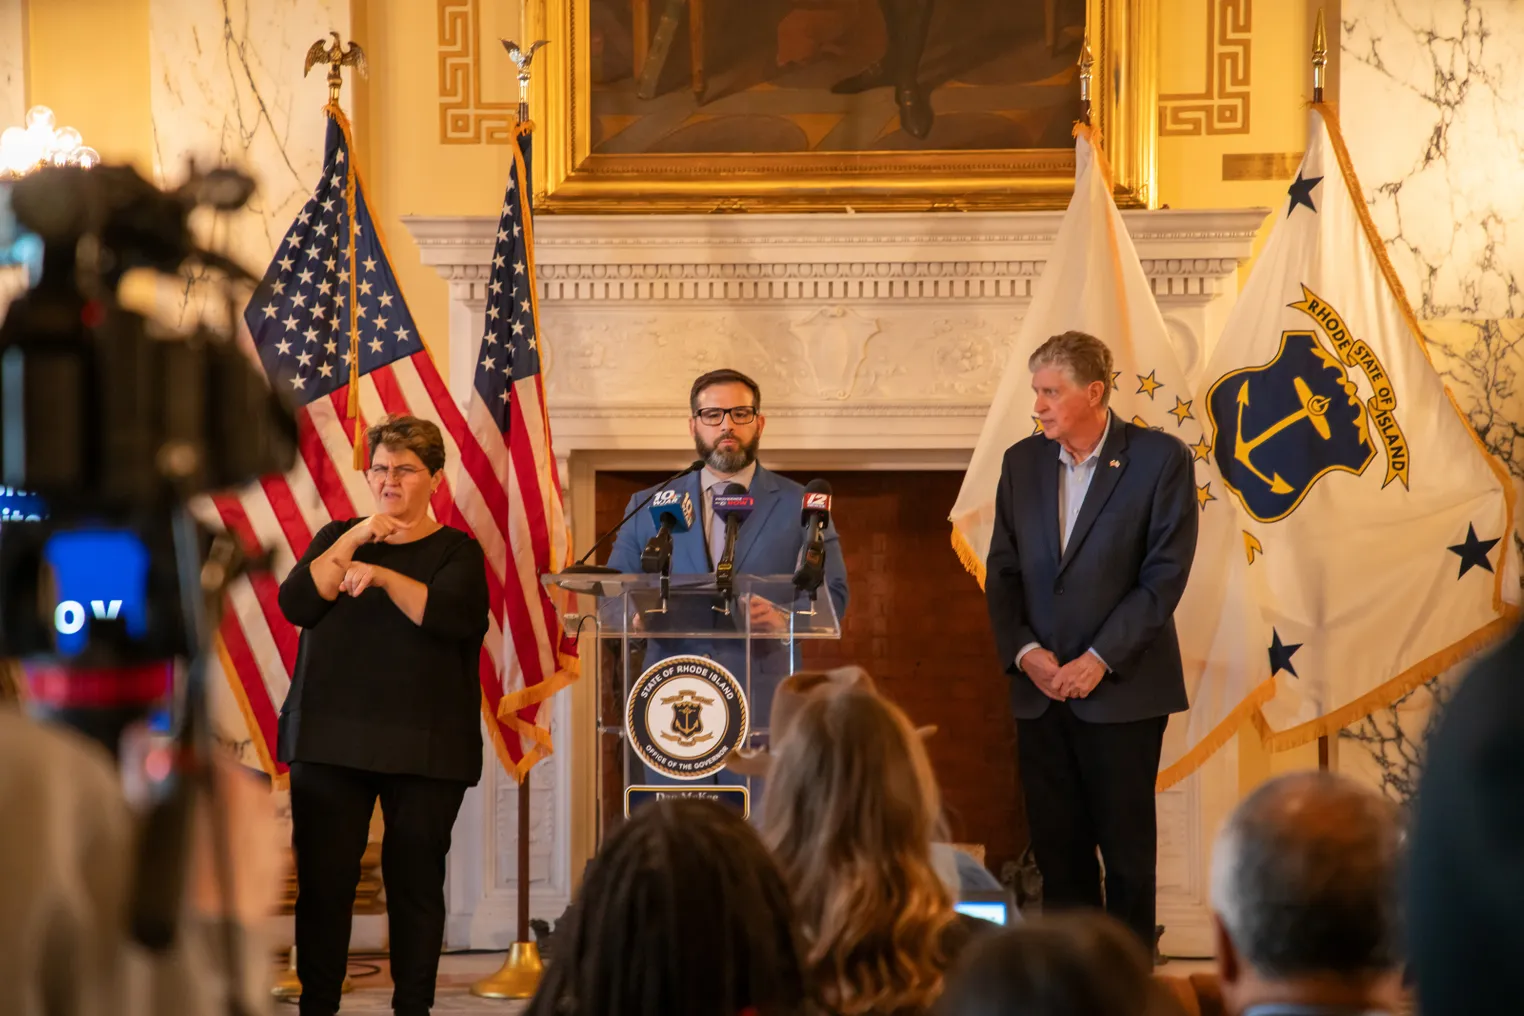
1432	102
228	87
1432	96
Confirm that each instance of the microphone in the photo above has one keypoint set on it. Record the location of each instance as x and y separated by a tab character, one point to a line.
672	513
583	568
814	515
734	505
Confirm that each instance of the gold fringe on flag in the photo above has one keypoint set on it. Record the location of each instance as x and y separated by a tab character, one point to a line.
1093	136
353	411
966	556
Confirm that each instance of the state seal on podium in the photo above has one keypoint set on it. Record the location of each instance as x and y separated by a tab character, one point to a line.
685	715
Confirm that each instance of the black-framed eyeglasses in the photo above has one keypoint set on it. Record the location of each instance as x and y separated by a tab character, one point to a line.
714	416
400	472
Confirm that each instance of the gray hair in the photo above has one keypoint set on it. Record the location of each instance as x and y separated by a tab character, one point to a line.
1084	356
1305	877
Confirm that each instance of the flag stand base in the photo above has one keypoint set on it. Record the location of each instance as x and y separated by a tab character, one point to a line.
518	977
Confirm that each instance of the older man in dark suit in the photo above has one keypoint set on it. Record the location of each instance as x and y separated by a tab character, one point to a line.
1095	531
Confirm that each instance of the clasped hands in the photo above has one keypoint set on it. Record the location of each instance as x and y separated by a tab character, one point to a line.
1075	679
359	576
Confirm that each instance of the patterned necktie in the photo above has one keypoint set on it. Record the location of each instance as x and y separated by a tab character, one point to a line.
716	526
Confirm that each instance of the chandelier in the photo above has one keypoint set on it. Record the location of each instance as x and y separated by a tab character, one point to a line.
41	143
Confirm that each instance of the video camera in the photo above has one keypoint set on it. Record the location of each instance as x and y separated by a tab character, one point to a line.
111	424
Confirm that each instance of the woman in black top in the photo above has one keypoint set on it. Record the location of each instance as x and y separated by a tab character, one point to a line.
384	703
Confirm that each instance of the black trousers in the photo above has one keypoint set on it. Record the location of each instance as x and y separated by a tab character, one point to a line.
1089	786
330	817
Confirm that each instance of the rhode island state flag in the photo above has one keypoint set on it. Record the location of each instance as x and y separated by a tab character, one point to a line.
1377	531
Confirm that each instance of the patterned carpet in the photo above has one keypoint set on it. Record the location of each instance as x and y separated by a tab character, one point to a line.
447	1001
373	988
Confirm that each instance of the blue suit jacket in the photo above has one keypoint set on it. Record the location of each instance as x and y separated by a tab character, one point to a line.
768	542
1117	583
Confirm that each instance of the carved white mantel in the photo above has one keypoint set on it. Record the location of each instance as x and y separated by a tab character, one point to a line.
878	341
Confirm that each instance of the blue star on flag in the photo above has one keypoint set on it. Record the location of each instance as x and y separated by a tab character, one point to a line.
1301	193
1280	655
1473	553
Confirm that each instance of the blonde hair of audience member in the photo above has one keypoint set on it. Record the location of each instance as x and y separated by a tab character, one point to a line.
851	810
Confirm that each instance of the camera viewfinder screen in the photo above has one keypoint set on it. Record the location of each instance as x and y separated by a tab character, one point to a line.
98	574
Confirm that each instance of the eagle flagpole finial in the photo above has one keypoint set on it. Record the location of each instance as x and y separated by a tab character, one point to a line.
522	58
336	56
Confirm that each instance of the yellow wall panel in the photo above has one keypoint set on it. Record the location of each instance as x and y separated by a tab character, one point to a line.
87	60
407	168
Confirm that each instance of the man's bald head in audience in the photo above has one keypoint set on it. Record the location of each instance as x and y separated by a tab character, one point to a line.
1305	885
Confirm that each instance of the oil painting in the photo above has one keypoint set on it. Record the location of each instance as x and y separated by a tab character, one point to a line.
722	76
815	105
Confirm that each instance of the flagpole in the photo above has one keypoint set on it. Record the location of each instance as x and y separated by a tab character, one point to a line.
519	976
288	984
338	57
1319	70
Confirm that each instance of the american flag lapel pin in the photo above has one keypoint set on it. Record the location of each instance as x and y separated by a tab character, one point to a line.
1116	463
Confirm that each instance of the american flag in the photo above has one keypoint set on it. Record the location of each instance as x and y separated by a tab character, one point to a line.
507	416
328	290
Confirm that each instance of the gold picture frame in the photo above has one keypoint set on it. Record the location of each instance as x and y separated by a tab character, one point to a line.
1123	36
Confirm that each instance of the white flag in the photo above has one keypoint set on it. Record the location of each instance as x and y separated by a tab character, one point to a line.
1376	527
1093	282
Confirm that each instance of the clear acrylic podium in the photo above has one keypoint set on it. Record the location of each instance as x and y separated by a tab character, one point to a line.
682	635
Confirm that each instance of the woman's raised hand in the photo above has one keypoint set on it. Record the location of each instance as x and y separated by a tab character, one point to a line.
380	528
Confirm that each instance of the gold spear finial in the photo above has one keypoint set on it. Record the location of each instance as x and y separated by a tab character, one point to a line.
522	58
1319	58
1086	71
336	56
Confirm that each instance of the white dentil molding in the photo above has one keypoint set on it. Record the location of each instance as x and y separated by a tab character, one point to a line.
618	283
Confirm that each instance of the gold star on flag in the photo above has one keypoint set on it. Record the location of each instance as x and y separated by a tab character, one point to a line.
1182	411
1204	494
1147	385
1114	375
1036	425
1201	449
1138	421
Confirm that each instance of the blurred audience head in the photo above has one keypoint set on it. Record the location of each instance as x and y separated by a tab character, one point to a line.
850	812
1305	890
682	913
1466	864
1076	964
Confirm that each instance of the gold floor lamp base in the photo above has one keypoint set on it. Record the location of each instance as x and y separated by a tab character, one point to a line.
288	985
518	977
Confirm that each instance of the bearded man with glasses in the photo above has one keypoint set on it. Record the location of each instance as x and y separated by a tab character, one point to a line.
726	422
385	704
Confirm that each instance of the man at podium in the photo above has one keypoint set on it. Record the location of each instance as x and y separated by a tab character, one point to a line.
726	422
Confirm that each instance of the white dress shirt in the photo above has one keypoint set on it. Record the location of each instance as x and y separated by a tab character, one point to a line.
1073	484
